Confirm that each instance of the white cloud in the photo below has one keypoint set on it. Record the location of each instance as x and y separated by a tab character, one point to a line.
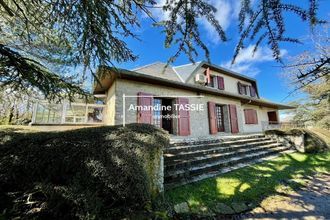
246	60
158	11
224	15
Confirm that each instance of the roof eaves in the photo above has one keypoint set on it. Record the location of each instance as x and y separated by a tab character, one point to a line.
230	71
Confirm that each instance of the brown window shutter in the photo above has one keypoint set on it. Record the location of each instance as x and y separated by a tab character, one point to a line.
221	84
145	116
212	118
184	118
250	116
239	86
233	119
252	91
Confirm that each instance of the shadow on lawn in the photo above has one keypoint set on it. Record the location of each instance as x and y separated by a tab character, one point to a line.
251	184
311	203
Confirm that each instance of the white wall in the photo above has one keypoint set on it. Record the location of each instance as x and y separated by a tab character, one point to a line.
262	117
109	117
229	81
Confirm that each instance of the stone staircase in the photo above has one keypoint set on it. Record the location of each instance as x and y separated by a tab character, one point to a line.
191	161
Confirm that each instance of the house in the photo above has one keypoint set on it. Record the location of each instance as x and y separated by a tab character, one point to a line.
194	100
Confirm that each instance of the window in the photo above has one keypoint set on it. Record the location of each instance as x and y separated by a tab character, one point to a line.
272	117
242	88
250	116
213	82
157	113
219	116
217	82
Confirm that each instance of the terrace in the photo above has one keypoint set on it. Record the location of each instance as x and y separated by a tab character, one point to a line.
45	113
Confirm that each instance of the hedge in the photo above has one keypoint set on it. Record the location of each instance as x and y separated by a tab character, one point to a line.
90	173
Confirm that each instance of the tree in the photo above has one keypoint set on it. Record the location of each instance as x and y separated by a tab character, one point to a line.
41	38
309	73
315	109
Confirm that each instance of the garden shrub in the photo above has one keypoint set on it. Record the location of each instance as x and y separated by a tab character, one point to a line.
89	173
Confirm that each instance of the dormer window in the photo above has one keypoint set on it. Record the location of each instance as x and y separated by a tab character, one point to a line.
242	88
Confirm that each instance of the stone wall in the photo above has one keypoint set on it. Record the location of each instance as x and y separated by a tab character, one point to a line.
303	140
295	141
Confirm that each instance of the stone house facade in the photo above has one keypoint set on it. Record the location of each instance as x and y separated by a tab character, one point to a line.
204	99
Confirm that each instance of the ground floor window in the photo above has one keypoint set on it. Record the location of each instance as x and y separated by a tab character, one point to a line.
272	117
219	116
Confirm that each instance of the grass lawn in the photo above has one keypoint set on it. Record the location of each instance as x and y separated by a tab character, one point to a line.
251	184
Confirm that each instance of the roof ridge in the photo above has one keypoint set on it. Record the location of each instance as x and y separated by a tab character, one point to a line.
187	64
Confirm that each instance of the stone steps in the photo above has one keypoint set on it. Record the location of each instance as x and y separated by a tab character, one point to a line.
179	163
197	147
194	161
215	149
215	140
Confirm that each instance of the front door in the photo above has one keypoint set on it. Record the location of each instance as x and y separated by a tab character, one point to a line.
219	116
167	115
162	114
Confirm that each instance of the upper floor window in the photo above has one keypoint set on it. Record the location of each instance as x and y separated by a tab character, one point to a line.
244	89
216	82
212	82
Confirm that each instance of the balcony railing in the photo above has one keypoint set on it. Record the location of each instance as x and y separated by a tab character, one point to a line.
67	113
270	125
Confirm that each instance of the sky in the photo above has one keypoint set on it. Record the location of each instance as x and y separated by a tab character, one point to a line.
272	83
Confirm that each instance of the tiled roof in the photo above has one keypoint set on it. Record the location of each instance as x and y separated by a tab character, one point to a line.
158	70
186	70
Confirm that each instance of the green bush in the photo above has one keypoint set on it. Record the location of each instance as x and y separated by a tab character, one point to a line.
90	173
